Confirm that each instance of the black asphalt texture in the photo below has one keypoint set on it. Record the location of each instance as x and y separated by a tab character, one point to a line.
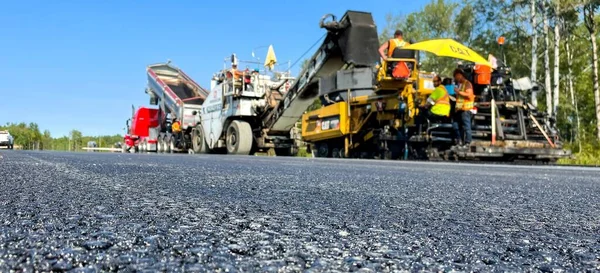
92	212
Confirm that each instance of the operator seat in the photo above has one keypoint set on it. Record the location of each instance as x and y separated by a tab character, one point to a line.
400	53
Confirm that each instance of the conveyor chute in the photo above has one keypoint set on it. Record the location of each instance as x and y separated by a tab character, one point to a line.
350	42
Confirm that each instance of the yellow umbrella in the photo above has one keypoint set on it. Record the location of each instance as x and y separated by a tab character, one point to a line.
449	48
271	59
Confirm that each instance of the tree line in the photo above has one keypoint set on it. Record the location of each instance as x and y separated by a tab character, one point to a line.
553	42
29	137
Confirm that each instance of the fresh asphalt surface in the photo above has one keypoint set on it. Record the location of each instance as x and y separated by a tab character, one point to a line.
90	212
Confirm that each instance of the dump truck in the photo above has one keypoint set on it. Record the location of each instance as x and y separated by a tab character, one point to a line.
177	97
369	113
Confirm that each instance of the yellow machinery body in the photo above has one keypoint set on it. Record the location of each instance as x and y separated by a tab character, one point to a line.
343	120
373	111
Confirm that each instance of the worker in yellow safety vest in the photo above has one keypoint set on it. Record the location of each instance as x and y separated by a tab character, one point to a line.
465	100
438	104
176	129
439	99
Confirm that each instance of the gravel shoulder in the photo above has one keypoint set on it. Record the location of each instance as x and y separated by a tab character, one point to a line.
91	212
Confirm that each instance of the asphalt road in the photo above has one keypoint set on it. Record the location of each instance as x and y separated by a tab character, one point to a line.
90	212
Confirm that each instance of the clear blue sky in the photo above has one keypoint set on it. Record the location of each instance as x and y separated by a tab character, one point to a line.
81	64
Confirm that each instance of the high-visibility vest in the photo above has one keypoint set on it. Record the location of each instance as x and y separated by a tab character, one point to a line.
235	73
393	43
465	103
175	127
442	104
445	99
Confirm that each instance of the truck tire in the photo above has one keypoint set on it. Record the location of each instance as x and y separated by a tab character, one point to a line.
164	143
198	142
159	145
239	138
171	144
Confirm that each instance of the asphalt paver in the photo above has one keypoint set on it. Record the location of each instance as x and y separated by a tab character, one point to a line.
92	212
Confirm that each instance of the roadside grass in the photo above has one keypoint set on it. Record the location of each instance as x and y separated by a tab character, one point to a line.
588	156
301	153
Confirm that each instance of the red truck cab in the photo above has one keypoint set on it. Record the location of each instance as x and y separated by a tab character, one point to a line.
138	133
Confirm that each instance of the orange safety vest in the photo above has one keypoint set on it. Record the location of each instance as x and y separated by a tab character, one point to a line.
236	74
175	127
393	43
465	103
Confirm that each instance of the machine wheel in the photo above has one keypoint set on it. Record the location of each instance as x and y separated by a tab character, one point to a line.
198	142
239	138
283	151
322	150
165	144
171	144
338	153
159	147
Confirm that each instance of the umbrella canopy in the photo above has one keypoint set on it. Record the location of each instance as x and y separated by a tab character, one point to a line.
449	48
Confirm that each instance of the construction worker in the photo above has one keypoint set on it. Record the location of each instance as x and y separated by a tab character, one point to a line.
465	99
390	45
439	101
449	85
235	72
438	104
176	129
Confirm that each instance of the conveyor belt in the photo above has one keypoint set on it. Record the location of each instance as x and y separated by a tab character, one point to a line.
351	41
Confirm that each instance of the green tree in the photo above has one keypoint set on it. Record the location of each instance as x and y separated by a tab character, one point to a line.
46	140
76	140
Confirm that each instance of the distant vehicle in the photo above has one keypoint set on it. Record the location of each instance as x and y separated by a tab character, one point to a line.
6	140
92	144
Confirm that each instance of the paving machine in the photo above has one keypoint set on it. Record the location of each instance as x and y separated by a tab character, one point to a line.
233	117
367	112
